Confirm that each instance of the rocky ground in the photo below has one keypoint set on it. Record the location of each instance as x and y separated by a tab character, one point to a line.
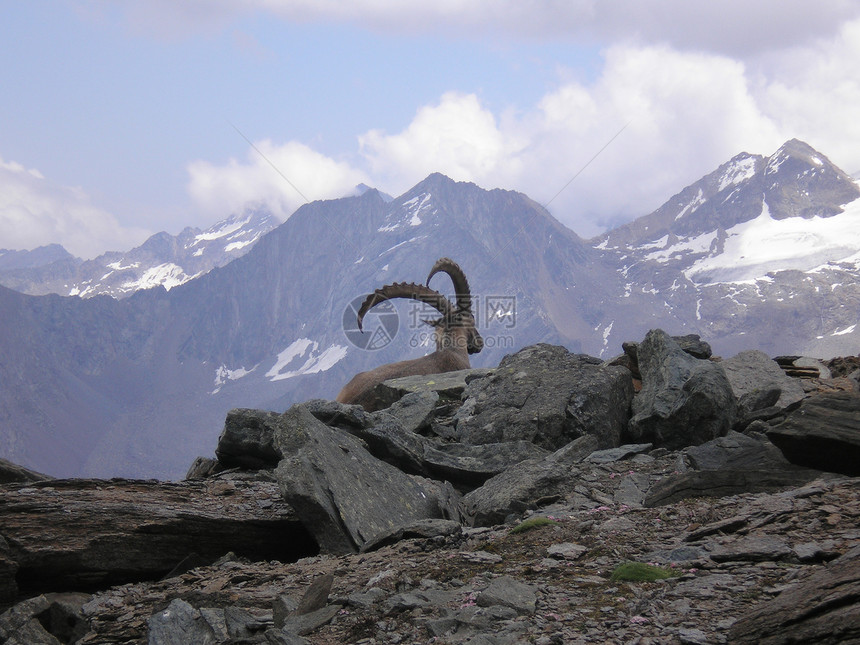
731	542
551	584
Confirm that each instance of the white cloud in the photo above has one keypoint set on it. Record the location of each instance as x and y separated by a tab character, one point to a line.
35	212
686	114
283	176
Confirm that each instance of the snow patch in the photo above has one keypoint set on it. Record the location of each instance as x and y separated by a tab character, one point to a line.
224	374
738	173
302	357
763	245
168	275
847	330
698	200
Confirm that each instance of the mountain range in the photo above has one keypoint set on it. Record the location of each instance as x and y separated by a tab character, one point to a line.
162	260
763	253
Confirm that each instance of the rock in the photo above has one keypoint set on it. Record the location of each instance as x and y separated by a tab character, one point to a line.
48	619
509	592
720	483
755	548
180	624
824	608
448	386
471	465
203	467
316	595
419	529
527	484
684	400
548	396
127	530
617	454
691	343
566	551
10	473
414	411
247	440
343	495
738	452
803	367
751	373
823	433
304	624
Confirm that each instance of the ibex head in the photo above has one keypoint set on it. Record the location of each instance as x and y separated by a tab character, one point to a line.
456	335
456	328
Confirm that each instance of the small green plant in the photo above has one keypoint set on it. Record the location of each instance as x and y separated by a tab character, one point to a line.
641	572
529	525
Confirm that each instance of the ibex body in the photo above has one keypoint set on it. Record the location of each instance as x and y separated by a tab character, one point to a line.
455	334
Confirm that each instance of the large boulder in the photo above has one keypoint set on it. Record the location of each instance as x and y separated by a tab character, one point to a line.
684	400
247	440
344	495
548	396
527	484
823	433
759	383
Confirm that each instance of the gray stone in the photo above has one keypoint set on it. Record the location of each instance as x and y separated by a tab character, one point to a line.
10	472
681	554
448	386
755	548
344	496
316	595
247	440
617	454
736	451
179	624
414	411
548	396
752	373
419	529
280	637
509	592
304	624
823	433
472	465
566	551
722	483
527	484
684	400
823	608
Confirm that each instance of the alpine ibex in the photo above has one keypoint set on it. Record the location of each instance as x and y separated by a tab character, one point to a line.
455	334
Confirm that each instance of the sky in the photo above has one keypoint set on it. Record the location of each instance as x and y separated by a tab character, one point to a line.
119	120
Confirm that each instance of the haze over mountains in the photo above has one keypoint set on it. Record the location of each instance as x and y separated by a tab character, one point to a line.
763	253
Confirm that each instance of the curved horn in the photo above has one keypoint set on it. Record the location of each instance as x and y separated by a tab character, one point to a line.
461	285
411	291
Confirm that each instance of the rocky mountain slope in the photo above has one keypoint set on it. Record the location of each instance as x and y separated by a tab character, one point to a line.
139	386
762	243
163	260
735	521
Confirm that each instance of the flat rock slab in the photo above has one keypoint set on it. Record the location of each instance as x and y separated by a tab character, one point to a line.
823	433
77	533
449	385
753	548
509	592
343	494
720	483
824	608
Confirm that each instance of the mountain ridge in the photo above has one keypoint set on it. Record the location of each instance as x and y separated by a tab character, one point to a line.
140	386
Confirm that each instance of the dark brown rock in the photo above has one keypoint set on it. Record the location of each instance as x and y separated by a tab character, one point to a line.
824	609
80	533
823	433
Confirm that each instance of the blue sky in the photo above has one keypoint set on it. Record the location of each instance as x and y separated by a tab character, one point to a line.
117	119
